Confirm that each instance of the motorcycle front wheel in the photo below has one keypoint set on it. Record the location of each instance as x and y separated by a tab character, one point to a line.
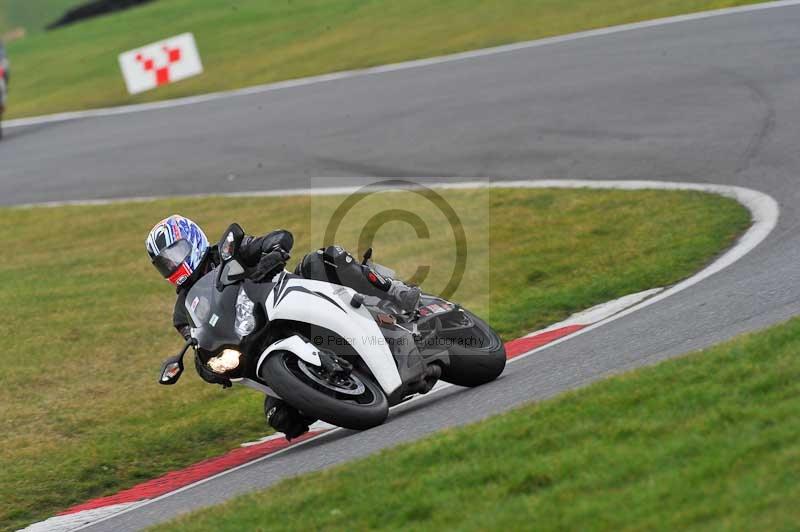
351	401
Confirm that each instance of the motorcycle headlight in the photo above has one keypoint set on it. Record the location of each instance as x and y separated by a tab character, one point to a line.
226	361
245	319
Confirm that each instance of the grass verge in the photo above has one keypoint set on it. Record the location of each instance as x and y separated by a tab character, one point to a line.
89	319
246	42
34	15
705	442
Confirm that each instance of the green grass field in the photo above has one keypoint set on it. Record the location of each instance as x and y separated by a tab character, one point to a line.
705	442
246	42
89	318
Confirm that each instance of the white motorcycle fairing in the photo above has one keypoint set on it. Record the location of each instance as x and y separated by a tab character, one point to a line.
328	305
304	350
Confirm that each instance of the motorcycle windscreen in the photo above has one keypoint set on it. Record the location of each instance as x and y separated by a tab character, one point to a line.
213	313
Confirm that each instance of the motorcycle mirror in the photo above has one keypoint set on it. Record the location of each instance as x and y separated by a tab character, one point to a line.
171	370
230	241
172	367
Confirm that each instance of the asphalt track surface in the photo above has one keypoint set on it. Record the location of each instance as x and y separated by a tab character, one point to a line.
714	100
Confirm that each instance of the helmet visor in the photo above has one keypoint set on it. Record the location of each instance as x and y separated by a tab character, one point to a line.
172	257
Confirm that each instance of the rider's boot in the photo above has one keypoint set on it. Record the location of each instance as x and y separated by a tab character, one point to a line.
406	297
285	418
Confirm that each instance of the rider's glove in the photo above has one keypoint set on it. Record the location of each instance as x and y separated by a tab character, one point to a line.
270	263
186	332
285	255
208	375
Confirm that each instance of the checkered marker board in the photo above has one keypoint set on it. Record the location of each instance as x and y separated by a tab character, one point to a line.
160	63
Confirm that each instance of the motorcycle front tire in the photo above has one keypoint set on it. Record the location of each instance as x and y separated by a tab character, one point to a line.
371	408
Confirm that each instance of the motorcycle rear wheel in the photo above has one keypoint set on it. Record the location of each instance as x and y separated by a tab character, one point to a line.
479	363
356	403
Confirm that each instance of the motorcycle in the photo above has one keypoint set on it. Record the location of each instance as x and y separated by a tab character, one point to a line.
4	75
330	352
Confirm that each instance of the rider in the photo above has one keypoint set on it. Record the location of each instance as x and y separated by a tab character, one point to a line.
263	257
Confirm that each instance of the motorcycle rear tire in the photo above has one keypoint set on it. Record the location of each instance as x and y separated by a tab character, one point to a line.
473	366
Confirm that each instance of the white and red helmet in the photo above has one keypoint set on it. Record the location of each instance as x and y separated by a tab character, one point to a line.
176	246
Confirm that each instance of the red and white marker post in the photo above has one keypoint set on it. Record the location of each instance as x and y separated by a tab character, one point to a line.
160	63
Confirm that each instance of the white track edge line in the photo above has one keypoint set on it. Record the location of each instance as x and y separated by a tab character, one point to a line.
63	523
764	210
599	312
471	183
393	67
203	481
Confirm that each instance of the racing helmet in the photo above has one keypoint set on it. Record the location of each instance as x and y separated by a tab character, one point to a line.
176	246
